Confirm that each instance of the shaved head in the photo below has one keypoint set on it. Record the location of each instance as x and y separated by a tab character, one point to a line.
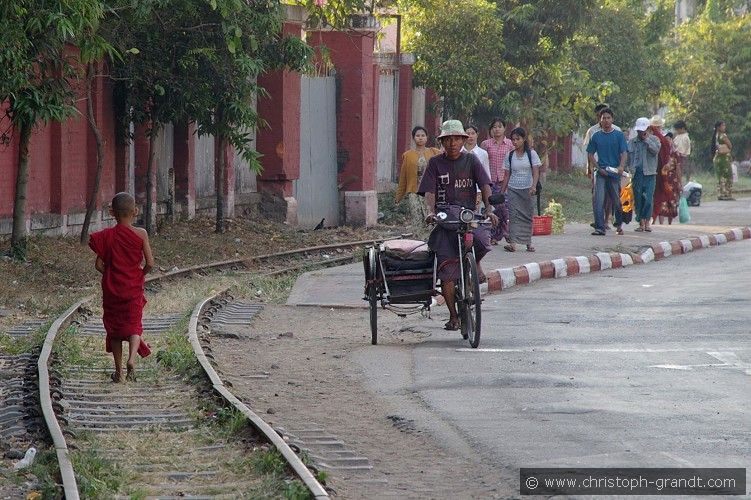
123	204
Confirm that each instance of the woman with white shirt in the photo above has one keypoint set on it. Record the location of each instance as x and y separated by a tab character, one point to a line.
470	146
522	167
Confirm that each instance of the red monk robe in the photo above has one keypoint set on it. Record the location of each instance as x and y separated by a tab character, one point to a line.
121	250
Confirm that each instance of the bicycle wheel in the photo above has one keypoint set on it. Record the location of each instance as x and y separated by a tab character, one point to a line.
373	295
471	314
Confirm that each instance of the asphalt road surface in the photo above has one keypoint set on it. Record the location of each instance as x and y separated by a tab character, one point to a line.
647	366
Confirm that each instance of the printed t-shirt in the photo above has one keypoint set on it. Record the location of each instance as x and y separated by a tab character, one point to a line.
454	181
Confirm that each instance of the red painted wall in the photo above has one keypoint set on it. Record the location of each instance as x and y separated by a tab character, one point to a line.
352	55
279	142
62	160
404	117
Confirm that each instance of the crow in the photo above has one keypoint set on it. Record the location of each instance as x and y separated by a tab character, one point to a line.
320	225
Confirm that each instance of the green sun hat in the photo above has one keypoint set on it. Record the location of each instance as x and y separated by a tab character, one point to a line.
452	127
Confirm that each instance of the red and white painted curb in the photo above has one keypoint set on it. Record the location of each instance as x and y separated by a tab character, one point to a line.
508	277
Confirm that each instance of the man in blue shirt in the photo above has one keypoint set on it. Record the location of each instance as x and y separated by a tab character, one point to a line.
610	146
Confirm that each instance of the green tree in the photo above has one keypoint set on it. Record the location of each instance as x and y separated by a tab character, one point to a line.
95	50
624	45
152	36
242	41
199	60
35	78
458	48
713	64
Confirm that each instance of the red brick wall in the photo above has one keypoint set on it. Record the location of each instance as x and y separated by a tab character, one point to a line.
62	160
352	55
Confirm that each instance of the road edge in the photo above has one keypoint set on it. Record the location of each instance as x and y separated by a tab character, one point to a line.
525	274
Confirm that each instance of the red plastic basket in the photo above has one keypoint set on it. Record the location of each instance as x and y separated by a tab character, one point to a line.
542	225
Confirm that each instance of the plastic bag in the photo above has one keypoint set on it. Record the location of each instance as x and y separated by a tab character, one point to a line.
683	214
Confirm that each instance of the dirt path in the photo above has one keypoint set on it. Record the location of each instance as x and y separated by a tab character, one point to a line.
295	367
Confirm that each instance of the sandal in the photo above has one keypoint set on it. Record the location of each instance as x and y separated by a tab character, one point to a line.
530	248
131	375
509	248
452	324
493	242
639	229
648	229
116	377
619	231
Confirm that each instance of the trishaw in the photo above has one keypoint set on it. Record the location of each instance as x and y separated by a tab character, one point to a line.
402	275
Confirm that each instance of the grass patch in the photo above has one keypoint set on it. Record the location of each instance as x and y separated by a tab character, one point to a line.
271	289
46	470
393	213
97	477
708	181
70	349
227	420
13	346
573	192
177	355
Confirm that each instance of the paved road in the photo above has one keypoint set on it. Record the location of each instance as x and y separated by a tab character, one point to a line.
643	367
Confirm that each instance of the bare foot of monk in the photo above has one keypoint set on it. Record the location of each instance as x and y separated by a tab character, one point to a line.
131	374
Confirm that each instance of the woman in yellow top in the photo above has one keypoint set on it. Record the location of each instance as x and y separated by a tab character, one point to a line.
414	163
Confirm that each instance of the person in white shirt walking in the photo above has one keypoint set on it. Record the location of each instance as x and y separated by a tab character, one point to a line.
470	146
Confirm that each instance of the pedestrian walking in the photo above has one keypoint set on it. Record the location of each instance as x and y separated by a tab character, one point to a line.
663	204
498	147
470	146
123	257
414	162
682	148
607	154
522	167
590	172
721	158
642	163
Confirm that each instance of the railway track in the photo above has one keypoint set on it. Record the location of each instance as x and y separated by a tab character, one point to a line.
178	432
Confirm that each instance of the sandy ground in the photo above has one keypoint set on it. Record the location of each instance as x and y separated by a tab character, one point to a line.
314	381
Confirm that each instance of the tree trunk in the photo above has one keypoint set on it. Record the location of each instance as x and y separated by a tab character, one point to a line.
150	210
94	194
220	173
18	235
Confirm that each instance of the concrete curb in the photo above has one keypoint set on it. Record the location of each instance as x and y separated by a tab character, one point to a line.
509	277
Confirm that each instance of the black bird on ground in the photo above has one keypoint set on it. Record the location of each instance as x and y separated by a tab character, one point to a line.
320	225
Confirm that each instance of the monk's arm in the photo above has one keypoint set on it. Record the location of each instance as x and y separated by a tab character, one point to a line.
148	256
99	265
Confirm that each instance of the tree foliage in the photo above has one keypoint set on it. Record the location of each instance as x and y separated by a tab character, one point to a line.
508	57
458	48
199	60
713	64
34	84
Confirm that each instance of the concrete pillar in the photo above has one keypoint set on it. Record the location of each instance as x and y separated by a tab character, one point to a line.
184	167
351	53
279	142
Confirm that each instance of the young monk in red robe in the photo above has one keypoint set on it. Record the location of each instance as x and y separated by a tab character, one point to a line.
120	252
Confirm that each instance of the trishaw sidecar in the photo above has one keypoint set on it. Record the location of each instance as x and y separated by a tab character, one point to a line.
400	275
